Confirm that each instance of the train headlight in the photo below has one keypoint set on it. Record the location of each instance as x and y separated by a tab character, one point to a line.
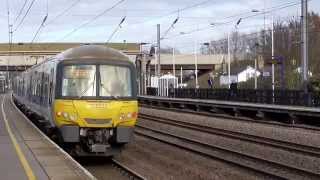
59	114
122	117
65	115
128	116
134	115
72	117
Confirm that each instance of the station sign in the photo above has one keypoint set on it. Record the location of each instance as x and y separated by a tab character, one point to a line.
266	74
274	60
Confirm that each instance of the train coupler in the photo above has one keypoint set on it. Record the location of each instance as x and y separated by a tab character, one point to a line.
99	148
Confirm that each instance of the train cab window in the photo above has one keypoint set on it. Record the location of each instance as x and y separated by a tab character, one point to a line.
115	81
79	80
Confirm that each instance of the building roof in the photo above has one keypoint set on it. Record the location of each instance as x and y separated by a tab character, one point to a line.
184	59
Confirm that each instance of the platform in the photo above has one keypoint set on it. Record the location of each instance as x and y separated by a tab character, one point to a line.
26	153
231	105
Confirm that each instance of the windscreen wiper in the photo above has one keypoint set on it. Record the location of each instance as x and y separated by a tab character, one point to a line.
86	90
112	97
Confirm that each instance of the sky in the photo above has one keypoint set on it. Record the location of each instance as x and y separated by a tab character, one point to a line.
96	20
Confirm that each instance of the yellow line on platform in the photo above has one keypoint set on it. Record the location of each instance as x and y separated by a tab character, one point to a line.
20	154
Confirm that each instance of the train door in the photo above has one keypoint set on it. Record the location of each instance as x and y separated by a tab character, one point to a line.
2	84
51	80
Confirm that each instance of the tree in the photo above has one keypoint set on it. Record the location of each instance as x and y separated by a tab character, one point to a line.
287	40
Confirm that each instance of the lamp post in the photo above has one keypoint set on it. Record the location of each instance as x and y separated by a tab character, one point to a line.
196	63
272	40
174	66
255	66
229	52
143	76
272	54
304	44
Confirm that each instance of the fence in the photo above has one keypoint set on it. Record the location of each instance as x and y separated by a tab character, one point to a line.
280	97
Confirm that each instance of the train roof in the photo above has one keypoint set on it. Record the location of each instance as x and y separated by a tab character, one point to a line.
87	52
92	52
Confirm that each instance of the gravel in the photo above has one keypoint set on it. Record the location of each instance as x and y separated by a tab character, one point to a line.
102	168
156	160
296	135
248	148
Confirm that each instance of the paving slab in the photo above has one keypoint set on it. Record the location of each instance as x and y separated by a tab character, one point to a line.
45	159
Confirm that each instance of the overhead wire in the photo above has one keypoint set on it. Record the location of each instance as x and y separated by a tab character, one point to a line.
10	39
170	27
63	12
223	41
9	26
271	9
117	28
39	29
174	12
92	19
275	8
242	27
25	15
21	10
42	23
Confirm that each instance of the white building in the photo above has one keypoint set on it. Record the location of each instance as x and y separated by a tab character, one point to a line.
242	76
247	74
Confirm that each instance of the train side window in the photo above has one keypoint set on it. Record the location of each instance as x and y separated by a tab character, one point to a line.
30	87
45	89
22	87
51	85
41	88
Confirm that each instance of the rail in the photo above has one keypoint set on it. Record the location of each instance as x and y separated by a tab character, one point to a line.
128	172
276	143
261	165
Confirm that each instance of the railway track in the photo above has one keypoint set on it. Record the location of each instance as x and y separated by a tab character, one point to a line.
109	168
230	117
258	164
285	145
131	174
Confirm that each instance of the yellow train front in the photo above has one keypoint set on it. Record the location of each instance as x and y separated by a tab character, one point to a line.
85	97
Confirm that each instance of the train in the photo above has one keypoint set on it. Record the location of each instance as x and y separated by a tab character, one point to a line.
85	99
2	84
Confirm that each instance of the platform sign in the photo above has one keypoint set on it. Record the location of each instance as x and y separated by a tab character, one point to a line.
275	60
266	74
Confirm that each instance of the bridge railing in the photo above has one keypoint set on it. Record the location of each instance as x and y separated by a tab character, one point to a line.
280	97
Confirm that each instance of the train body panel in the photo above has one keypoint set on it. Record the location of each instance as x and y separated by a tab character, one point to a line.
86	96
95	113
